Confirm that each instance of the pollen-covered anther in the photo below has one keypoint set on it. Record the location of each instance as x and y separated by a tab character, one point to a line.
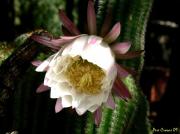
84	76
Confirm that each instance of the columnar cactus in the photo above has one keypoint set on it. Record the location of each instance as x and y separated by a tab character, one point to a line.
34	113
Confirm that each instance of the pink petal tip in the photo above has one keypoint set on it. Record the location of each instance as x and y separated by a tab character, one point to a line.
97	116
121	71
44	40
42	88
129	55
110	102
121	90
121	48
113	34
58	106
36	63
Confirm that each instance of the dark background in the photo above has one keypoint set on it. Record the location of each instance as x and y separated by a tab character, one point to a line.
159	78
160	74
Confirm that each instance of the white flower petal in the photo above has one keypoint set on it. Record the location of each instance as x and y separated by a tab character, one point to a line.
93	108
76	47
54	59
77	98
105	96
98	53
63	88
87	103
67	101
50	83
79	112
82	110
55	93
46	81
93	49
82	106
60	90
58	77
42	67
49	73
59	66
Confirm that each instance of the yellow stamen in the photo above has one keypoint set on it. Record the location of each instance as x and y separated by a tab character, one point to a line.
84	76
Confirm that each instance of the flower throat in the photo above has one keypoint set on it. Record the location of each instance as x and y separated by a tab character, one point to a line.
84	76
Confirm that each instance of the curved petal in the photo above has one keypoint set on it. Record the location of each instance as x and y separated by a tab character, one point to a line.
110	102
44	40
121	71
93	108
129	55
129	70
36	63
67	101
42	88
71	37
63	89
55	93
86	102
113	34
81	110
58	106
121	48
44	65
68	24
97	116
59	42
91	18
121	90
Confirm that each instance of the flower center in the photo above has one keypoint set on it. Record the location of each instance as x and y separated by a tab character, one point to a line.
84	76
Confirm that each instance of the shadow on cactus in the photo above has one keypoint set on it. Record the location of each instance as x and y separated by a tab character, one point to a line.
84	73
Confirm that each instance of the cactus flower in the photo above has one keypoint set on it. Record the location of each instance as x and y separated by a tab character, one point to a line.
83	73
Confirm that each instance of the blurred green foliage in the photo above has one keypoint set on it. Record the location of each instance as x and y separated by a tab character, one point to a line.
41	14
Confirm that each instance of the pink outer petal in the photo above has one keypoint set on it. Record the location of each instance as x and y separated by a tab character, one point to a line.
44	66
36	63
42	88
121	90
121	71
91	18
129	55
110	102
64	39
68	24
97	116
71	37
113	34
44	40
121	48
53	43
58	106
59	42
107	23
130	70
